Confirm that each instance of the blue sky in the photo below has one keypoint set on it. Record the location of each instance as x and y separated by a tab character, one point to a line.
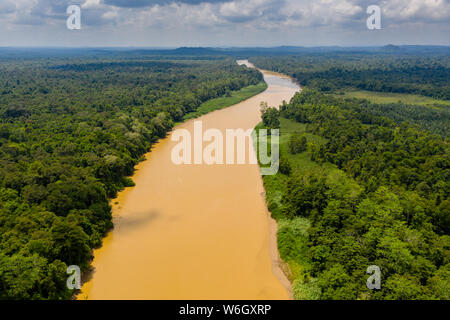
172	23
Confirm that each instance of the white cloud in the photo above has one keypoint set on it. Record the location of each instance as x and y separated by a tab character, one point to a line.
417	10
93	4
226	19
305	13
7	7
245	10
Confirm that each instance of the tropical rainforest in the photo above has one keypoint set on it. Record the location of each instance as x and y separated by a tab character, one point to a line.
425	75
364	159
363	183
71	131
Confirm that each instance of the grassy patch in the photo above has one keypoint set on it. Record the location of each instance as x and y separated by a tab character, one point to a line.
386	97
223	102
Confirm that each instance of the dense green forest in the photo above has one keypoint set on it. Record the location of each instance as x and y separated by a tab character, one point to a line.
435	120
425	74
71	131
364	181
361	182
356	189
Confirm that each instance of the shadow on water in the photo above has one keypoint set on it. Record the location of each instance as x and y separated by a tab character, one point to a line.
136	220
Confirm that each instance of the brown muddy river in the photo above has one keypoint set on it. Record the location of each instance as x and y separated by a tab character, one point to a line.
194	231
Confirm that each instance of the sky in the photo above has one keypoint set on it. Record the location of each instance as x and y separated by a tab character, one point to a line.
223	23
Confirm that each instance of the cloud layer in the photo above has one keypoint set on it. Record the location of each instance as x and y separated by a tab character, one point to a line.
208	21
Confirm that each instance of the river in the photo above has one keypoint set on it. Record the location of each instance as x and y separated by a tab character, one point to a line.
194	231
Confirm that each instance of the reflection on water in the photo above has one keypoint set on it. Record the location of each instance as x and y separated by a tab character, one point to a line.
194	231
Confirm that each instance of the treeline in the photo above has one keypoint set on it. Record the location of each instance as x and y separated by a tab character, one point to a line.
389	207
435	120
432	119
426	74
70	134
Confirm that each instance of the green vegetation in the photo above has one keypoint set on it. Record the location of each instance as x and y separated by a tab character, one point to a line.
231	99
367	191
293	230
424	112
270	116
297	143
387	97
425	74
364	161
71	131
408	88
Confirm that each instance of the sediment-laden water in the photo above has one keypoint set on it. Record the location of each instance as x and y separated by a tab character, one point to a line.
194	231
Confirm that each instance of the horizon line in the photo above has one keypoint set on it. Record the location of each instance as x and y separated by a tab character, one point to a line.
224	47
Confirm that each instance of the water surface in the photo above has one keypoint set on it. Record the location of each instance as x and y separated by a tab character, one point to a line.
194	231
